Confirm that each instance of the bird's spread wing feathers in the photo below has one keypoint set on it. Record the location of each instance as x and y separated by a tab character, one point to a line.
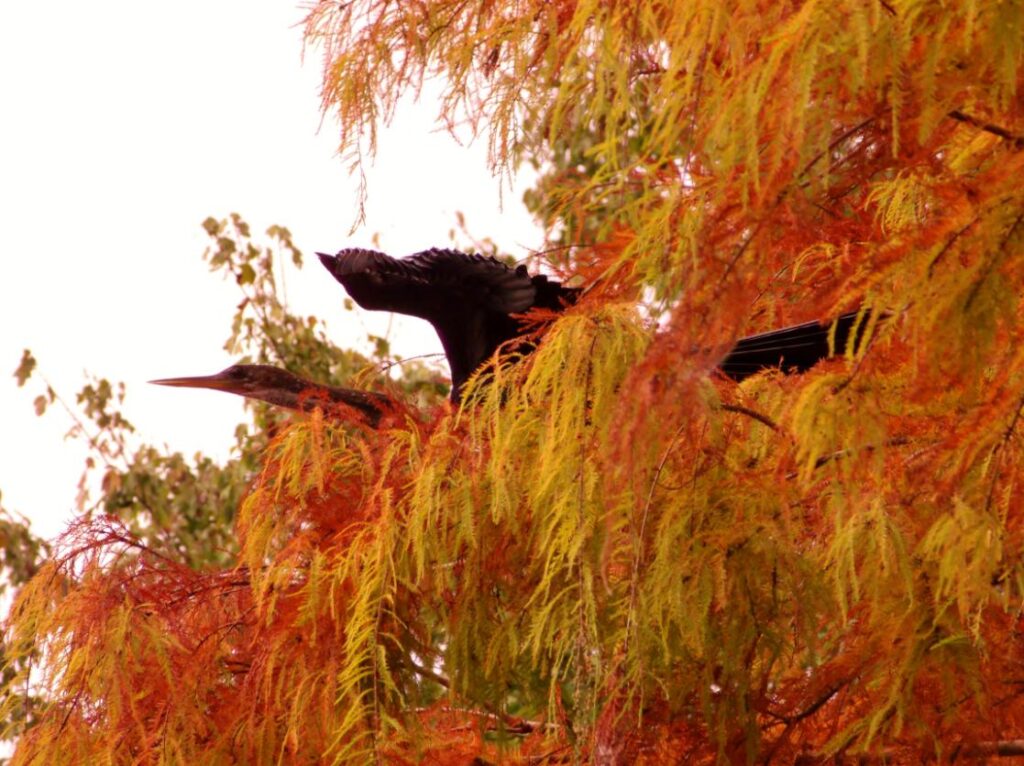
471	300
429	281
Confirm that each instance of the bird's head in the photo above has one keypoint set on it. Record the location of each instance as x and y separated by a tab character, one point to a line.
254	381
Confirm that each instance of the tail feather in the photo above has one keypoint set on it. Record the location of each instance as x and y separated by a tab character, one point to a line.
792	349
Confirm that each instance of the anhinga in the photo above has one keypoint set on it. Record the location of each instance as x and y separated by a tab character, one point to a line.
283	389
470	300
475	304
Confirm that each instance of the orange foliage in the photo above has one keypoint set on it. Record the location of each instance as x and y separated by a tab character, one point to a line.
610	554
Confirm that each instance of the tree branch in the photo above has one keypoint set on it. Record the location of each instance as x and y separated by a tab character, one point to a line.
740	409
1000	748
995	130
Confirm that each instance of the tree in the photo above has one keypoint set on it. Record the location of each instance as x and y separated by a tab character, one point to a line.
177	510
610	554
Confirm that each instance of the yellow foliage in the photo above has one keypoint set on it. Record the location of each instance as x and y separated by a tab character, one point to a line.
609	546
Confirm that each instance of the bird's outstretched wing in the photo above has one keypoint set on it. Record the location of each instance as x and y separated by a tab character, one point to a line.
792	349
432	283
469	299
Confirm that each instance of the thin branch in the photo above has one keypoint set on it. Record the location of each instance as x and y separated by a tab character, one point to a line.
896	441
833	145
387	365
509	723
427	673
93	441
782	195
71	709
1000	748
813	707
1007	435
701	68
761	418
988	127
949	243
638	543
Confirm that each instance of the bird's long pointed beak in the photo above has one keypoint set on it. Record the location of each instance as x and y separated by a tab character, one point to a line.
217	382
326	259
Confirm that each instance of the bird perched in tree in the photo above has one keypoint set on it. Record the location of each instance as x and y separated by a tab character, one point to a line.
476	304
470	300
283	389
792	349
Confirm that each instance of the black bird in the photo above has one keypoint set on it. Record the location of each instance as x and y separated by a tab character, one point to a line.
283	389
469	299
793	349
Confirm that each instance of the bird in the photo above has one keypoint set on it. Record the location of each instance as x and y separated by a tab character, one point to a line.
477	303
285	389
791	349
474	302
471	300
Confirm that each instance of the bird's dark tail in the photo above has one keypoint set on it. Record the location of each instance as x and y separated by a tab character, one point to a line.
792	349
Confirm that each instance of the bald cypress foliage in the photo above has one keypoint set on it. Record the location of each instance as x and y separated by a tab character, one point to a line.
610	553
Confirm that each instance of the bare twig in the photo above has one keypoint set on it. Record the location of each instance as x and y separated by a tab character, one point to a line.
995	130
509	723
761	418
896	441
1007	435
427	673
1000	748
949	243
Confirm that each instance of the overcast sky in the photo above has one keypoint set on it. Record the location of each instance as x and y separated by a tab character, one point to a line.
124	125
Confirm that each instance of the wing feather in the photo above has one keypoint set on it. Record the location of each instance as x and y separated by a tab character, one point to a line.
470	299
432	283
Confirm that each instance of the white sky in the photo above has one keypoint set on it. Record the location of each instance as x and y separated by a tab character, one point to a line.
122	126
